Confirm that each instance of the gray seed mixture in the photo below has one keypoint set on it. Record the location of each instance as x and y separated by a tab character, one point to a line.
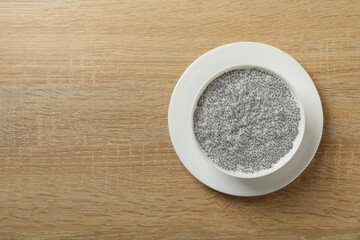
246	120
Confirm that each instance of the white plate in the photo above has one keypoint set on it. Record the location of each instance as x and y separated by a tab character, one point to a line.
253	54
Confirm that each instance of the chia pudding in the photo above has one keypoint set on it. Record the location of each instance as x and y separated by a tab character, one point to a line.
246	120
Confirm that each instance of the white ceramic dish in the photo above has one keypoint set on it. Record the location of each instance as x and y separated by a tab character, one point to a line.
284	159
217	61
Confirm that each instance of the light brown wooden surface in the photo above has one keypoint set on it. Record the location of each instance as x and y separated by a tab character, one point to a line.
84	147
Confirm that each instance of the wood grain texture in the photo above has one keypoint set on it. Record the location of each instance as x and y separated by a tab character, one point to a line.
84	148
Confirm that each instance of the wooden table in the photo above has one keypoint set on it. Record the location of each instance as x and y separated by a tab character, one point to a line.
84	91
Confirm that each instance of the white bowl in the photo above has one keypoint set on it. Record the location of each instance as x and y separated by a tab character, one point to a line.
285	158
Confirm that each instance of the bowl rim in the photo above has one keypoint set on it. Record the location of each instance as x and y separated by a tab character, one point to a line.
296	143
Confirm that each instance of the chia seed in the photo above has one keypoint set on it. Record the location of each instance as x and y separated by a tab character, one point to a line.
246	120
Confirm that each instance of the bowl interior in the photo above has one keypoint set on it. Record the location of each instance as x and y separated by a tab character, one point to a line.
285	158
